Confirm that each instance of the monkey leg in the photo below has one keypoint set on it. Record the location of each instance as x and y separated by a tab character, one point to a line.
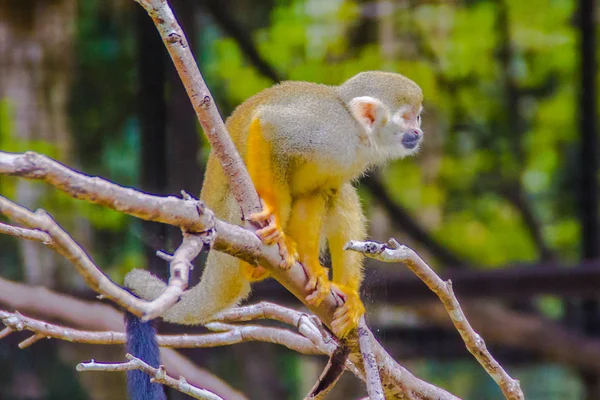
274	193
305	227
345	221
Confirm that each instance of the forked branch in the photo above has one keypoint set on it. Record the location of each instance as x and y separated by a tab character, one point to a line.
394	252
158	375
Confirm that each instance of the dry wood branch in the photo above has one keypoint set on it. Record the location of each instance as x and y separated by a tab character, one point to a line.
190	215
180	265
203	103
62	243
47	231
158	375
18	322
394	252
232	334
229	335
94	315
374	388
23	233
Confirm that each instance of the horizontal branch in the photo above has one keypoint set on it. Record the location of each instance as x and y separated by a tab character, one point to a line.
190	215
228	335
158	375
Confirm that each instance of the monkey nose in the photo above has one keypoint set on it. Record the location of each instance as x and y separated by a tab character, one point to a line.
416	132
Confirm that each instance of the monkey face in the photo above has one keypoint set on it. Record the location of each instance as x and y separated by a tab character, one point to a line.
402	135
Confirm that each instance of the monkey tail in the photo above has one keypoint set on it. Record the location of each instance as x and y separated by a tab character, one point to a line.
223	285
141	343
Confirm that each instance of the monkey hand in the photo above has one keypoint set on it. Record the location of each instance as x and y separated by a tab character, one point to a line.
318	284
347	315
271	233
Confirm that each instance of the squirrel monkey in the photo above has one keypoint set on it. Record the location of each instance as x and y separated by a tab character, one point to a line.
303	144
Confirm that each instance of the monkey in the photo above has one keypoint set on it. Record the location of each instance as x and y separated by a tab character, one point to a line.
303	144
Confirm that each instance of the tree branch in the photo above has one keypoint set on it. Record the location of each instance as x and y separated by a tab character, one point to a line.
374	388
203	104
158	375
94	315
394	252
228	335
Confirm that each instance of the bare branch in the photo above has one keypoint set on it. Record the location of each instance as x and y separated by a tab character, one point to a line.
97	316
230	334
62	243
203	103
158	375
179	273
374	388
394	252
47	231
23	233
18	322
190	215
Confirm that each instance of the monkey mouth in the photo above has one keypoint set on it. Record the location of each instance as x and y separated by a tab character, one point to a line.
410	141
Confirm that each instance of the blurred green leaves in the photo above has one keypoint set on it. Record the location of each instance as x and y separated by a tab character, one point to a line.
473	82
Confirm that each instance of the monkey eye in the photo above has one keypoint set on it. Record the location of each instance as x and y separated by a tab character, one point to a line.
419	118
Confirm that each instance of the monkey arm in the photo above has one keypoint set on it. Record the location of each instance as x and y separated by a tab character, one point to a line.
269	180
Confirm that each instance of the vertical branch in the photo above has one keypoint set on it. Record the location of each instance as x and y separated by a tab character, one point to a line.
203	103
374	388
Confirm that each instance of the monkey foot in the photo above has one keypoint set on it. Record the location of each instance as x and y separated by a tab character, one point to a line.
271	232
319	286
347	315
287	251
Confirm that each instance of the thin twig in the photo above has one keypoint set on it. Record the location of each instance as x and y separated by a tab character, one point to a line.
394	252
179	273
158	375
24	233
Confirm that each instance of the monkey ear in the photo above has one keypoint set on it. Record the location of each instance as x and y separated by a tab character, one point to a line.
369	112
